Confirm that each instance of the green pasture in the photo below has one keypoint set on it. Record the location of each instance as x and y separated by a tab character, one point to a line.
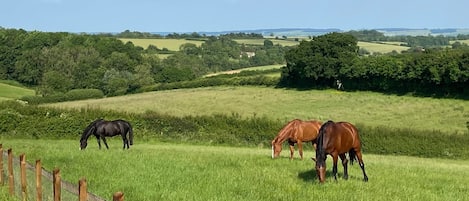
261	42
170	44
160	171
8	92
268	67
382	47
369	108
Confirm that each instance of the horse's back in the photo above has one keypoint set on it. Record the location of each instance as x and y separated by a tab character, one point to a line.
310	130
341	137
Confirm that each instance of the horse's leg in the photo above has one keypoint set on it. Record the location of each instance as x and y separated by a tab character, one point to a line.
125	140
292	149
313	143
344	163
362	165
105	142
334	167
99	141
300	149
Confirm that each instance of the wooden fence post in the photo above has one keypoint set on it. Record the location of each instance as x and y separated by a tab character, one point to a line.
57	182
11	179
38	180
24	193
118	196
82	190
1	166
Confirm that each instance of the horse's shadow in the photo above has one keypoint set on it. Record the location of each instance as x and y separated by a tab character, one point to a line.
311	176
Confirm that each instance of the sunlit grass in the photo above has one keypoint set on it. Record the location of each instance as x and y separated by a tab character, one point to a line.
372	109
12	92
381	48
170	44
161	171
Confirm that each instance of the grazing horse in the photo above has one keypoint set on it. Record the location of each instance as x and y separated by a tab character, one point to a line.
102	129
337	139
296	131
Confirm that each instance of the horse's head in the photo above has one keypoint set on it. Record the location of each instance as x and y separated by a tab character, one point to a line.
276	149
320	165
83	144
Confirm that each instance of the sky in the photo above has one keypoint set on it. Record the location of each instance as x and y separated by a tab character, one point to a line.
229	15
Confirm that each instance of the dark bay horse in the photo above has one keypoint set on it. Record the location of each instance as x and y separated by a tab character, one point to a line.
296	131
336	139
102	129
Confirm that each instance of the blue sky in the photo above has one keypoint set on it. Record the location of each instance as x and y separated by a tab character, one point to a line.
227	15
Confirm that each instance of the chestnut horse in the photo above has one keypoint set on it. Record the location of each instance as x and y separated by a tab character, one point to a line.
296	131
336	139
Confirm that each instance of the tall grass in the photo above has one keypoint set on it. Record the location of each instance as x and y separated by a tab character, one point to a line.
159	171
369	108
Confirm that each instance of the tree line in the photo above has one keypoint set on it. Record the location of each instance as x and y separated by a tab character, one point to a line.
332	58
59	62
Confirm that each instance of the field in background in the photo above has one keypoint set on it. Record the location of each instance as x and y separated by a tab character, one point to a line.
372	109
174	44
268	67
9	92
170	44
161	171
382	47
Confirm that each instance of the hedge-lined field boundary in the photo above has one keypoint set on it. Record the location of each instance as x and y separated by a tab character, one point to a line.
19	120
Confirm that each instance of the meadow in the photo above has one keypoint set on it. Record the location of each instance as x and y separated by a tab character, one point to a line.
174	44
9	92
370	108
162	171
170	44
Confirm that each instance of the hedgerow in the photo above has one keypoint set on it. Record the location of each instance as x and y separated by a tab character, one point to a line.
28	121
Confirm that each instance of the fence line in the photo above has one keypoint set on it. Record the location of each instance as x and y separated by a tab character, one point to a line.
80	191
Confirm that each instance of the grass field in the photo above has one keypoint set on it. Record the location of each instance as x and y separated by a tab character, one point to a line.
8	92
268	67
381	48
174	44
370	108
160	171
170	44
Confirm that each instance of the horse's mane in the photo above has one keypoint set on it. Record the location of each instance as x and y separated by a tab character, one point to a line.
320	151
87	132
285	131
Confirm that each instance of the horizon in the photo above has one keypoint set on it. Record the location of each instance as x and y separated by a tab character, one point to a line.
224	15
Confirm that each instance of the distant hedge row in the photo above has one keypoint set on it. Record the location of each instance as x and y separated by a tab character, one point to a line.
74	94
25	121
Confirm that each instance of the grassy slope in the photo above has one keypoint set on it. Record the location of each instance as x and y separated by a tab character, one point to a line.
12	92
159	171
369	108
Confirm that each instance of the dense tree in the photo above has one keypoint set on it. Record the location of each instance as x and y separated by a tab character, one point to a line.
319	61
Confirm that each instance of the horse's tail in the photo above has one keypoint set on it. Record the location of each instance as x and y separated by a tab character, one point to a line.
131	135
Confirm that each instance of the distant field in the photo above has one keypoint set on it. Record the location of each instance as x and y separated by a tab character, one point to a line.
8	92
268	67
373	109
174	44
261	42
170	44
382	48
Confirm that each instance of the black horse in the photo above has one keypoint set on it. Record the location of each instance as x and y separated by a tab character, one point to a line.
102	129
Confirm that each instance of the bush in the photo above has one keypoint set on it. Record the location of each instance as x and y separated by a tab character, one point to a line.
75	94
